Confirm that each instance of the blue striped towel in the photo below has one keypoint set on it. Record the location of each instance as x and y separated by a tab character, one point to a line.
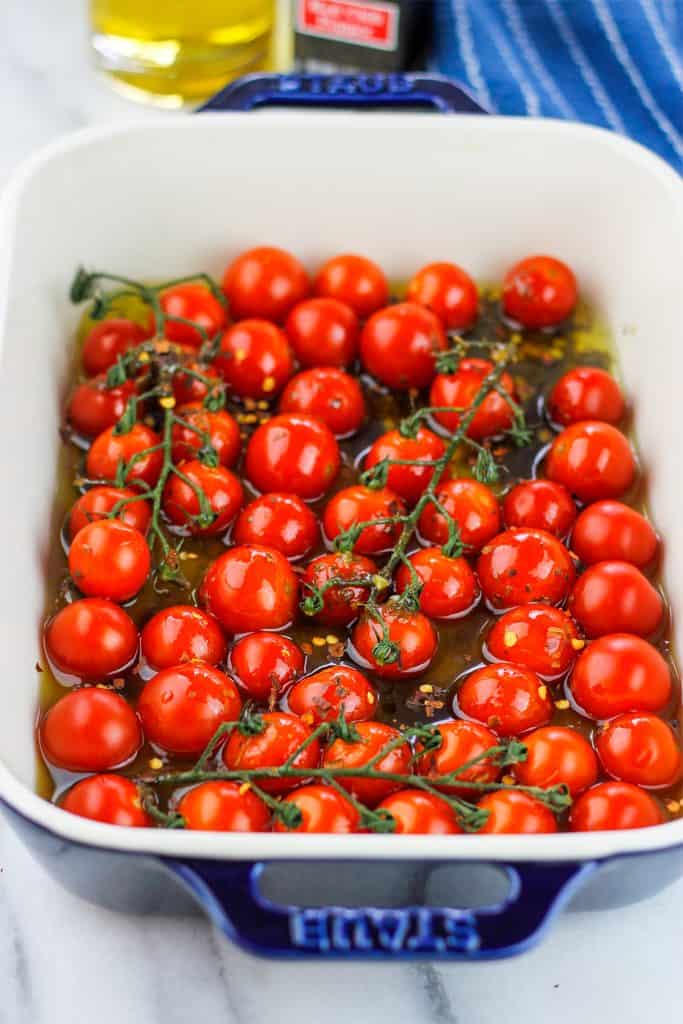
615	63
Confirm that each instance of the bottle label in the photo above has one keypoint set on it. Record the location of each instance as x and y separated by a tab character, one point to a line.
364	24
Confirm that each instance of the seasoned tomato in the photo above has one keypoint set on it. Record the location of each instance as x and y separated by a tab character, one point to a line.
255	359
98	502
281	737
354	280
472	505
293	453
411	633
323	332
323	809
358	504
618	673
137	451
374	737
223	806
201	428
181	707
265	282
510	811
539	291
525	566
194	302
341	602
557	755
614	805
615	597
641	749
109	559
461	742
328	393
408	481
90	730
541	505
179	634
608	530
458	391
540	637
108	340
509	699
93	406
399	346
266	664
195	382
450	589
586	393
593	460
280	521
318	697
448	291
221	488
250	587
416	812
108	798
91	639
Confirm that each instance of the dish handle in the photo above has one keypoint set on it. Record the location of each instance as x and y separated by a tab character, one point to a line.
229	893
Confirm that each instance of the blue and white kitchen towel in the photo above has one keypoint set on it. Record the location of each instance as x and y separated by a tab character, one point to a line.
615	63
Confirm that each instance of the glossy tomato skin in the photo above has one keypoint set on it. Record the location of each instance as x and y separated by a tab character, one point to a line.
610	530
460	389
265	282
282	736
293	453
374	736
109	559
593	460
221	487
96	503
557	755
330	394
112	799
323	332
618	673
249	588
412	632
522	566
416	812
91	639
474	507
180	634
614	805
450	587
255	359
539	291
407	481
108	340
222	806
541	505
537	636
642	749
319	697
341	603
323	809
354	280
266	664
507	698
93	407
220	427
109	449
448	291
188	389
280	521
399	346
90	730
615	597
586	393
181	707
359	504
191	301
512	812
461	742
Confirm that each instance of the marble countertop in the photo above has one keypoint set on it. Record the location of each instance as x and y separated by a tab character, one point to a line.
62	960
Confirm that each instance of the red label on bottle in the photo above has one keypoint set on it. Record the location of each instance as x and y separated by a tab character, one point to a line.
373	25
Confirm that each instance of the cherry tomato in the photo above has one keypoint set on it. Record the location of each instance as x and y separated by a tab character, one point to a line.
448	291
319	697
459	390
609	530
354	280
407	481
450	587
359	504
221	488
110	449
593	460
255	359
615	597
108	340
293	453
418	813
91	639
323	332
250	587
90	730
472	505
96	503
109	559
537	636
341	603
461	742
557	755
374	736
193	302
399	345
539	291
541	505
323	809
182	633
219	428
188	389
411	632
328	393
108	798
641	749
282	736
266	664
618	673
507	698
280	521
181	707
93	406
523	567
223	806
614	805
513	812
586	393
265	282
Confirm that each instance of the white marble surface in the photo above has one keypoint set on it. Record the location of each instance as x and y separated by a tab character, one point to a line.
65	962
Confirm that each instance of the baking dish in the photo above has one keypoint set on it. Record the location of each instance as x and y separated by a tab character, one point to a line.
172	194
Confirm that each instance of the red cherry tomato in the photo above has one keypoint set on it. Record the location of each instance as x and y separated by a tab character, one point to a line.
615	597
609	530
407	481
93	406
109	450
109	559
188	389
448	291
323	332
374	737
255	359
221	488
182	633
181	707
91	639
614	805
472	505
108	340
220	429
265	282
250	587
618	673
399	346
450	587
293	453
537	636
507	698
557	755
411	632
539	291
593	460
323	809
96	503
266	664
341	603
459	390
418	813
358	504
541	505
513	812
525	566
191	302
90	730
586	393
354	280
328	393
279	521
461	742
108	798
223	806
318	697
641	749
282	736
